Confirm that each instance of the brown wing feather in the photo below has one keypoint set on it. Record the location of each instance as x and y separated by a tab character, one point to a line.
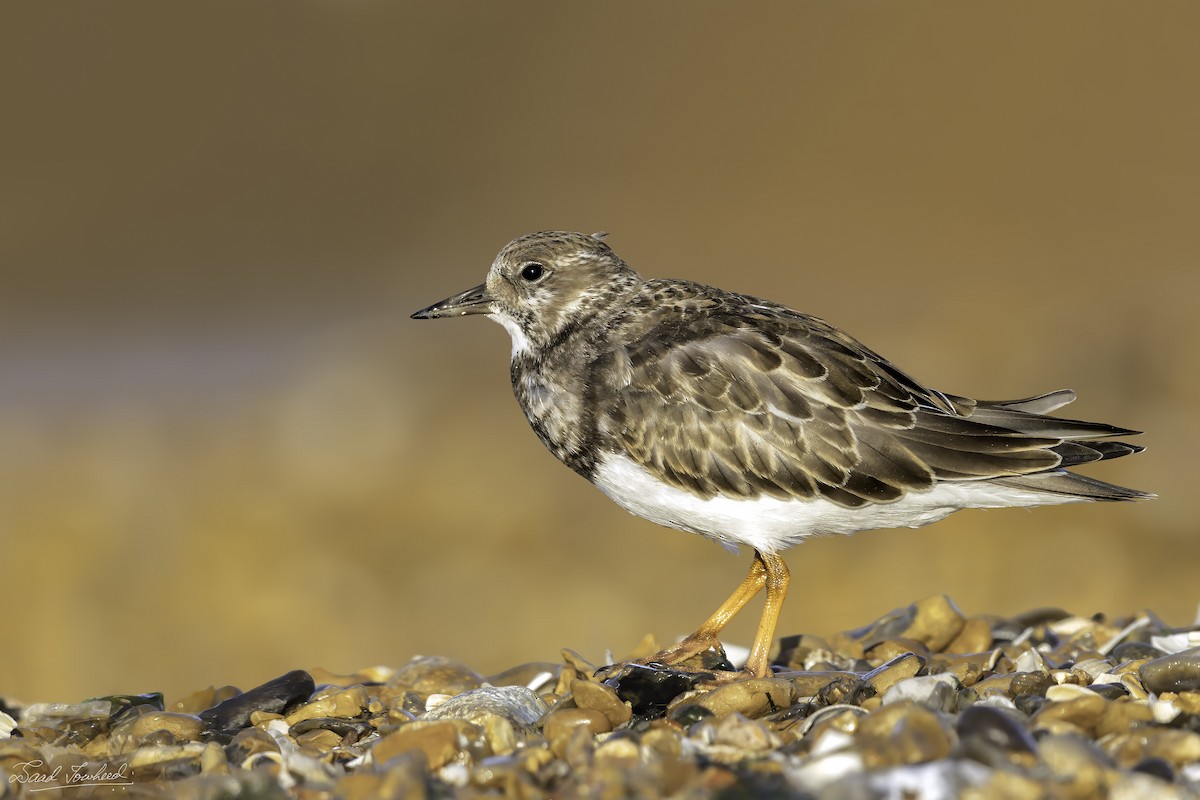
762	399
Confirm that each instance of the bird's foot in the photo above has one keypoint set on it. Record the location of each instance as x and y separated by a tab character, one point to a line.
699	656
698	652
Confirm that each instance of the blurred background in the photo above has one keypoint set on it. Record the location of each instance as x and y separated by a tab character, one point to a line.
226	452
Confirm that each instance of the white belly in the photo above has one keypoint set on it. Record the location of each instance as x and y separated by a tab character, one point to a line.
768	524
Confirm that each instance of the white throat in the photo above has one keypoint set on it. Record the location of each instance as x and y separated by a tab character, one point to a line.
520	343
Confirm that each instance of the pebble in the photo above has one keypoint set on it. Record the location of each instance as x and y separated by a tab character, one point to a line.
649	690
348	702
932	691
250	742
427	675
1079	713
882	678
1078	765
750	698
995	736
438	741
811	684
539	676
903	733
560	723
923	701
602	698
167	762
1177	672
936	622
1134	651
274	697
975	636
181	727
733	738
517	705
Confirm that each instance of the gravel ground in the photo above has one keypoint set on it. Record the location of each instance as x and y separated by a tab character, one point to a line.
922	703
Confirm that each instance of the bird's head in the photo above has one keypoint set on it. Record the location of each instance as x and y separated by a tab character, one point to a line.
542	285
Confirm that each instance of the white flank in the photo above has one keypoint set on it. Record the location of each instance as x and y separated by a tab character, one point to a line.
768	524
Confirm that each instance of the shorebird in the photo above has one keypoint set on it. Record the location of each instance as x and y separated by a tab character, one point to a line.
753	424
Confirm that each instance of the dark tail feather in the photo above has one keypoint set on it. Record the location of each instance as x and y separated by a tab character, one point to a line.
1068	483
1028	416
1076	453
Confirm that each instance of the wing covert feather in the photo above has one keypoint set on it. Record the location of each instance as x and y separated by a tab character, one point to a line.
743	397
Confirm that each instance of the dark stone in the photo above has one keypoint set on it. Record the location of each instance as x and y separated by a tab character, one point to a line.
1132	651
890	626
1029	704
648	689
130	713
788	647
754	785
357	728
10	708
522	674
1110	691
1186	722
126	705
1040	616
1158	767
689	714
1030	683
989	735
274	696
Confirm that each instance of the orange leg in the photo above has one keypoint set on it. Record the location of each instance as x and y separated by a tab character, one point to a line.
777	580
765	571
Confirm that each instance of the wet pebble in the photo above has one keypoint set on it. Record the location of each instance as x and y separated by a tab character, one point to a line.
649	690
1177	672
274	696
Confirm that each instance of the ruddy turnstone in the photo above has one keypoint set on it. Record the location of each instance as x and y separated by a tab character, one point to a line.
753	424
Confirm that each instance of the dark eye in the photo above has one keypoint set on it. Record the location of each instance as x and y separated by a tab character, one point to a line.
533	271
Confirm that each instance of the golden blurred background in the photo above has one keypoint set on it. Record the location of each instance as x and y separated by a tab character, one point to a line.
226	452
